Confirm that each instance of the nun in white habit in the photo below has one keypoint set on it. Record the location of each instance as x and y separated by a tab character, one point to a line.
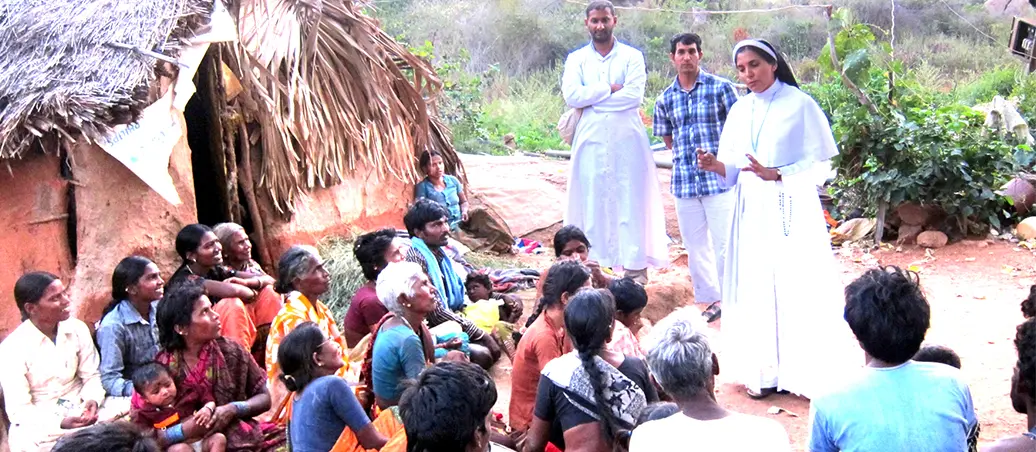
783	302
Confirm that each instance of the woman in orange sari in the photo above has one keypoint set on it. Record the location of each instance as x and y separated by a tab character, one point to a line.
325	407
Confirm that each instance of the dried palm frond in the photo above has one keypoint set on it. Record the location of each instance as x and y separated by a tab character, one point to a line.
329	94
68	68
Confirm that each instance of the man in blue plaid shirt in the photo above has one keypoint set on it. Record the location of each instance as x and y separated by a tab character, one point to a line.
689	115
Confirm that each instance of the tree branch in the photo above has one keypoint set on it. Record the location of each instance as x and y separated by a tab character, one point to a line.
860	95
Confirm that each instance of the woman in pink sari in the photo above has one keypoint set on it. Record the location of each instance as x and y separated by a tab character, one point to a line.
210	368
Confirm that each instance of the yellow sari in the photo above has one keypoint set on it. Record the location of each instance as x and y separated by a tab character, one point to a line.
297	310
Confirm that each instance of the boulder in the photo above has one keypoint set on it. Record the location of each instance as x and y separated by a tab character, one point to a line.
932	239
1026	230
908	234
915	214
1021	192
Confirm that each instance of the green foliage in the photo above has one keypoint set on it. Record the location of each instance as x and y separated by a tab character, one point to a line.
1000	82
529	108
919	147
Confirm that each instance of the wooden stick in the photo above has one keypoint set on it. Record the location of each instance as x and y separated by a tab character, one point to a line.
248	186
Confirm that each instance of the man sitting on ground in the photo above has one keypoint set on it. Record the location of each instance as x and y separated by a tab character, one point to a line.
426	223
895	403
683	363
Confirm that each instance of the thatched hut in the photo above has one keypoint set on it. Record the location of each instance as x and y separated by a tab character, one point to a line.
305	124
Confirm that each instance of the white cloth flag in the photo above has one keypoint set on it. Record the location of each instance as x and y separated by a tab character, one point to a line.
145	146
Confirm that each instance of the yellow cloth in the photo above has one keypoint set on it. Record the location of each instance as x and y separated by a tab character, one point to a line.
387	423
43	381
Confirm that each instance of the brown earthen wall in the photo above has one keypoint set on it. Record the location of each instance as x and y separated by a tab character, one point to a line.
118	215
362	203
33	218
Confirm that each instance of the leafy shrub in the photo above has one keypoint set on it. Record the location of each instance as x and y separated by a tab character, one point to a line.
918	147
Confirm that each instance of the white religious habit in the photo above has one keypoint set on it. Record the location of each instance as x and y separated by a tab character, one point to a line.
613	193
782	297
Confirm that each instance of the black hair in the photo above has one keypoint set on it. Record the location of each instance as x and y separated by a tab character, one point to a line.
119	436
685	39
1029	304
1025	342
479	278
657	410
177	309
147	374
30	287
598	5
127	273
931	353
426	159
888	313
629	295
295	355
189	239
589	317
784	72
423	211
565	277
568	234
444	408
369	250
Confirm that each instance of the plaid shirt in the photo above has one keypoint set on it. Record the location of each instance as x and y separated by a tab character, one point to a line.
694	119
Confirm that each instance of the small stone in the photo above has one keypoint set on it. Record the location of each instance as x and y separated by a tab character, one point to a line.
932	239
914	214
975	243
1026	229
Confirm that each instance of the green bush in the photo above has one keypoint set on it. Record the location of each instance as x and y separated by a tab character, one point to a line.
1000	82
919	147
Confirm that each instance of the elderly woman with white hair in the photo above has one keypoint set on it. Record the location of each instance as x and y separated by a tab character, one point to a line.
684	365
401	346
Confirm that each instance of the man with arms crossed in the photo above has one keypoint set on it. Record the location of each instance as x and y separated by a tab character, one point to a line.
613	191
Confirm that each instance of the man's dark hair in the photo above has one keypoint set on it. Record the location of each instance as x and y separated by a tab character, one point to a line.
932	353
369	250
147	374
444	408
888	313
685	39
598	5
423	211
568	234
107	437
479	278
629	295
177	309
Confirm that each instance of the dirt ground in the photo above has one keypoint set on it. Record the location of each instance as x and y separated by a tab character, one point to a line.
974	288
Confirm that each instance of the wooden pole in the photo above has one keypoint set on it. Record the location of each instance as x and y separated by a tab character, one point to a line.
879	223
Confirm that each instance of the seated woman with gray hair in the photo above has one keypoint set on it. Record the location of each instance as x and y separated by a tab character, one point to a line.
684	365
303	279
401	346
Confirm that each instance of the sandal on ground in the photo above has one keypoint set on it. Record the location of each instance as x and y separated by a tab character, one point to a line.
762	394
712	313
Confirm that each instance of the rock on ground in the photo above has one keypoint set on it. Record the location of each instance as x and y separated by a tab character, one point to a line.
1026	230
932	239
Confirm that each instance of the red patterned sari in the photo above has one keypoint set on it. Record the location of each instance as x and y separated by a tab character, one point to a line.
225	373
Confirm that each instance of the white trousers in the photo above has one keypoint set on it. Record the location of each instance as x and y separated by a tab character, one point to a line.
705	227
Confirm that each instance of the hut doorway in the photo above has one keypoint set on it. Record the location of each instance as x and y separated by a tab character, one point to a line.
221	168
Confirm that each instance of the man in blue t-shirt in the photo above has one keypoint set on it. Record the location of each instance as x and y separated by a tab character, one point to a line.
895	403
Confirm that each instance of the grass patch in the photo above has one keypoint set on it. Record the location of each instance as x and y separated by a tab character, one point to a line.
346	275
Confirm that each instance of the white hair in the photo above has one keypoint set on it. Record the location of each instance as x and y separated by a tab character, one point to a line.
395	280
679	354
